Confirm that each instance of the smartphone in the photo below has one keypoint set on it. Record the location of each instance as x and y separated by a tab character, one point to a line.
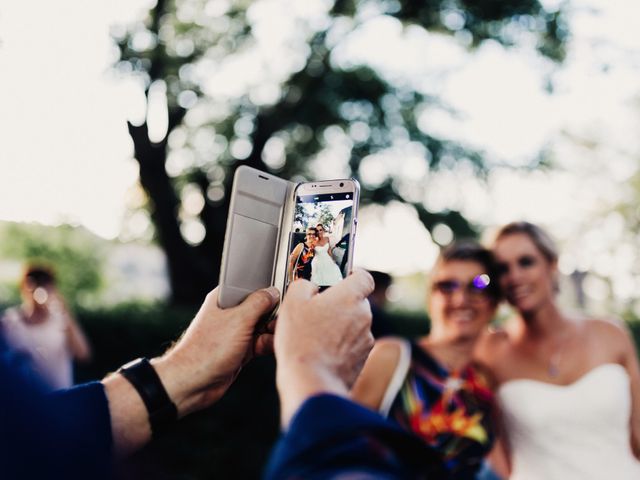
251	241
322	232
278	231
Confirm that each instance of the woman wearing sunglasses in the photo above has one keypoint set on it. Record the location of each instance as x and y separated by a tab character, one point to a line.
568	388
429	386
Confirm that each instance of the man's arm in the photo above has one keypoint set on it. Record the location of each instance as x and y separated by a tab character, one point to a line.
71	434
198	370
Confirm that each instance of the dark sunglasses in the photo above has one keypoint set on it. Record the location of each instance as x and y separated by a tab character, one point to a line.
475	288
525	261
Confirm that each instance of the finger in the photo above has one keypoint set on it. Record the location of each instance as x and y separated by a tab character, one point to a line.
365	277
302	289
257	304
212	298
264	344
365	310
359	285
369	341
271	326
210	304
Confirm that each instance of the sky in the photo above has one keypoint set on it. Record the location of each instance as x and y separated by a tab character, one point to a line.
60	100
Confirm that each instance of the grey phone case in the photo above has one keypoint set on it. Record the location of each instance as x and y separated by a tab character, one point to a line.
254	233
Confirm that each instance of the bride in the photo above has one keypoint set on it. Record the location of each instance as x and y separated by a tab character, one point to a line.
568	389
324	271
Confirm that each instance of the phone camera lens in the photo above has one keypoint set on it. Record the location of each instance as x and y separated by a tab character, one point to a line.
341	184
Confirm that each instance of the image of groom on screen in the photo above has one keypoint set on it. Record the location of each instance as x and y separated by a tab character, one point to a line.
302	255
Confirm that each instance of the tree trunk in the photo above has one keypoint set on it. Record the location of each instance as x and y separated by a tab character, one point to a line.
190	276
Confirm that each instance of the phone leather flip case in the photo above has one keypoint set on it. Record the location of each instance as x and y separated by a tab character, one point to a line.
257	236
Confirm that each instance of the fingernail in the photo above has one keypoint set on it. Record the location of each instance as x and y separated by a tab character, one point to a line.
274	292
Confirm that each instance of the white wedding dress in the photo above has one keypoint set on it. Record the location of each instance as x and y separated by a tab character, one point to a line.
324	270
578	431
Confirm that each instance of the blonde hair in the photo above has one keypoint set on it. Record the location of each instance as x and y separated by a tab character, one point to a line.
540	238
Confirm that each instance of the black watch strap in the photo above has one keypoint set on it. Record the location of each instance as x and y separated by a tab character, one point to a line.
162	411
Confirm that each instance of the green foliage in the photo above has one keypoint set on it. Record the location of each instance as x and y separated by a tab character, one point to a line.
311	214
179	38
130	330
325	216
73	253
478	20
321	107
409	324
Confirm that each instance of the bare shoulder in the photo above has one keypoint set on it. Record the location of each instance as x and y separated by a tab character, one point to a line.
491	346
378	370
613	328
611	332
388	347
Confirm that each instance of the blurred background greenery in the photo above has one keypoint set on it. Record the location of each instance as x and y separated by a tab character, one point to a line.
297	89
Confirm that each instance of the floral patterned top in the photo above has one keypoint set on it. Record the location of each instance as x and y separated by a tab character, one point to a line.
302	267
450	411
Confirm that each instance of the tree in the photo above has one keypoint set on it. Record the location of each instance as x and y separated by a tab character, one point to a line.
325	216
318	104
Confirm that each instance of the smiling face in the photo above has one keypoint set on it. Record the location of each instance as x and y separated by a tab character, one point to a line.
320	230
527	276
311	237
459	304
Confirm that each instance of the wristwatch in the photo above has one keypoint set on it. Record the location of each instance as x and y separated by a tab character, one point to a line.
162	411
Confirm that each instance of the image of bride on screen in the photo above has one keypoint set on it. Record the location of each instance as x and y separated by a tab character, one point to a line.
324	270
320	240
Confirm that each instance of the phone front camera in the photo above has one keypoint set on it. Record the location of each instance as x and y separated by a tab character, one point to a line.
341	184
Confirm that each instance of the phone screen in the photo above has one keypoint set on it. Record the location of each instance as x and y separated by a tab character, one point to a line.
320	238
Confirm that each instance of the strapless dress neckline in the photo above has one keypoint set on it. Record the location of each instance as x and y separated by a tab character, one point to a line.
584	377
575	431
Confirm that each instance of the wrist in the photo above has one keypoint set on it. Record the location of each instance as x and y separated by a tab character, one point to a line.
161	411
175	382
298	381
181	380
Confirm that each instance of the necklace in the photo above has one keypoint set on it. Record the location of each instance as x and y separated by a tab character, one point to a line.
555	358
553	369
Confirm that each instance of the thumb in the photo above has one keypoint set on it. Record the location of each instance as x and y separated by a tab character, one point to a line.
257	304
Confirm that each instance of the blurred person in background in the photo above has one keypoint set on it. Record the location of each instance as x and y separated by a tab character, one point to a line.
431	386
568	388
44	329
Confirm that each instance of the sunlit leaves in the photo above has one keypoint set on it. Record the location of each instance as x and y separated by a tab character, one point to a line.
275	85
